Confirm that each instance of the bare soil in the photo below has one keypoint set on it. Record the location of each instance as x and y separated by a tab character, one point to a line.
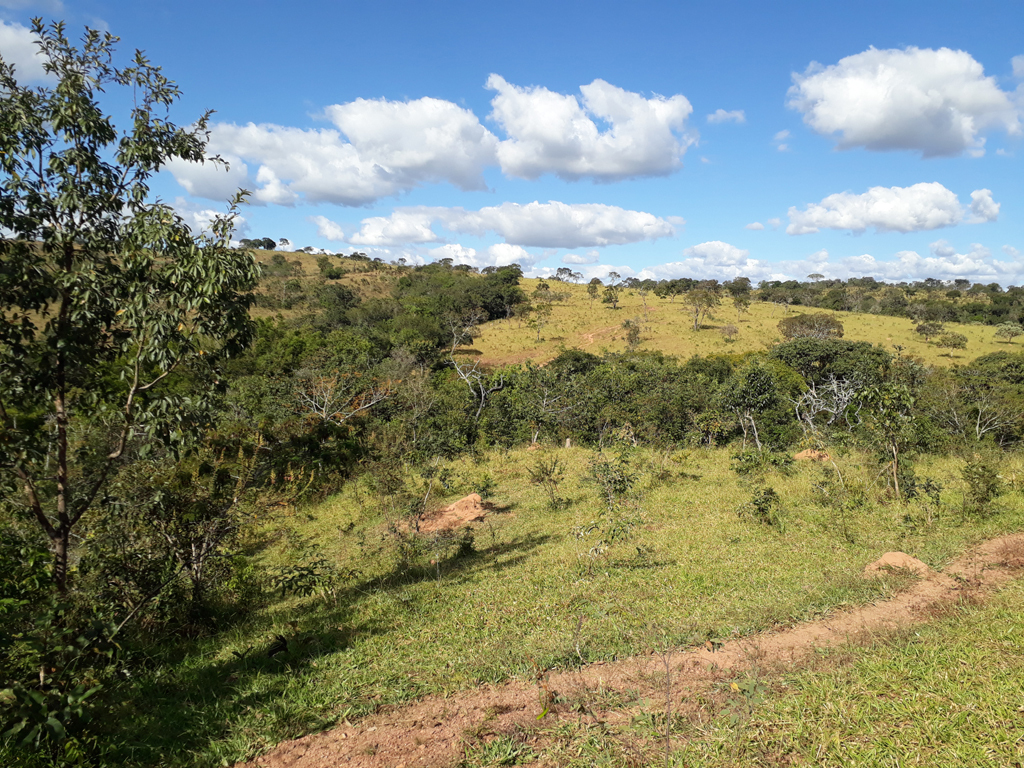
434	731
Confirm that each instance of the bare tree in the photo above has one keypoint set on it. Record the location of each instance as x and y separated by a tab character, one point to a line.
834	397
481	383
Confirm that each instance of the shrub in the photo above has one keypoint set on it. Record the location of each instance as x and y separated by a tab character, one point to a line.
820	325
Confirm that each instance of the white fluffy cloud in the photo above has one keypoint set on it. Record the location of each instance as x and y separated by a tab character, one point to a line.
401	227
560	225
327	229
755	225
944	263
542	225
18	47
198	218
924	206
383	148
721	116
498	255
556	133
936	102
591	257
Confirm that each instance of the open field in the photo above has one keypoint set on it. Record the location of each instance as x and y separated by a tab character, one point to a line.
581	323
532	595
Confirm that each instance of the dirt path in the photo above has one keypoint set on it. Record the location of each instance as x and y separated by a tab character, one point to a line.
431	732
588	338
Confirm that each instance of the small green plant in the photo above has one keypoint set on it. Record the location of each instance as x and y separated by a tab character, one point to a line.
983	485
754	462
748	694
765	507
549	474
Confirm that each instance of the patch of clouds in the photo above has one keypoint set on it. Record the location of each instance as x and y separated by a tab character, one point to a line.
497	255
983	208
757	226
558	133
936	102
401	227
199	218
1018	66
18	47
591	257
944	263
539	225
774	223
381	148
1013	253
560	225
780	140
924	206
328	229
721	116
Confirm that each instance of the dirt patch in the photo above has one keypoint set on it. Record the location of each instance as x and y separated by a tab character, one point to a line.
469	509
433	731
892	561
812	455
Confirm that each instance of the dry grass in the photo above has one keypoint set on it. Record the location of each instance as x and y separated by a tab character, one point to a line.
579	323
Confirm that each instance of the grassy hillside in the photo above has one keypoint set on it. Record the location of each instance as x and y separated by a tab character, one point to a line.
578	322
531	591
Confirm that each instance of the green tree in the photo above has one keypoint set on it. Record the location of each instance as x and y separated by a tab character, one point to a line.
952	341
1008	331
929	329
819	325
699	303
115	315
612	290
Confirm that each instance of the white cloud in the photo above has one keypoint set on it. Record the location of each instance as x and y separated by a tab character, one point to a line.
559	225
936	102
556	133
1013	253
721	116
983	207
328	229
383	148
198	218
781	135
944	264
755	225
717	253
592	257
18	47
774	223
402	226
498	255
924	206
542	225
1018	66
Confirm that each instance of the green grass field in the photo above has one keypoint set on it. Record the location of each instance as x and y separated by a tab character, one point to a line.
578	322
531	594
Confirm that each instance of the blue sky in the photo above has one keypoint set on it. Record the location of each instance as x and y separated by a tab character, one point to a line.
657	139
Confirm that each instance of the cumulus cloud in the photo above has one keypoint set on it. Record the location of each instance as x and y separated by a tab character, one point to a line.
18	47
559	225
755	225
541	225
1013	253
498	255
983	207
936	102
774	223
556	133
199	218
591	257
924	206
717	253
944	263
327	229
721	116
382	148
401	227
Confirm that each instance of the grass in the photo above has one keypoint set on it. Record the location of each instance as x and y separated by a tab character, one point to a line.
529	595
594	327
949	693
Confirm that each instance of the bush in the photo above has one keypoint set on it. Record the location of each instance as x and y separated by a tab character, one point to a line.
765	507
820	325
